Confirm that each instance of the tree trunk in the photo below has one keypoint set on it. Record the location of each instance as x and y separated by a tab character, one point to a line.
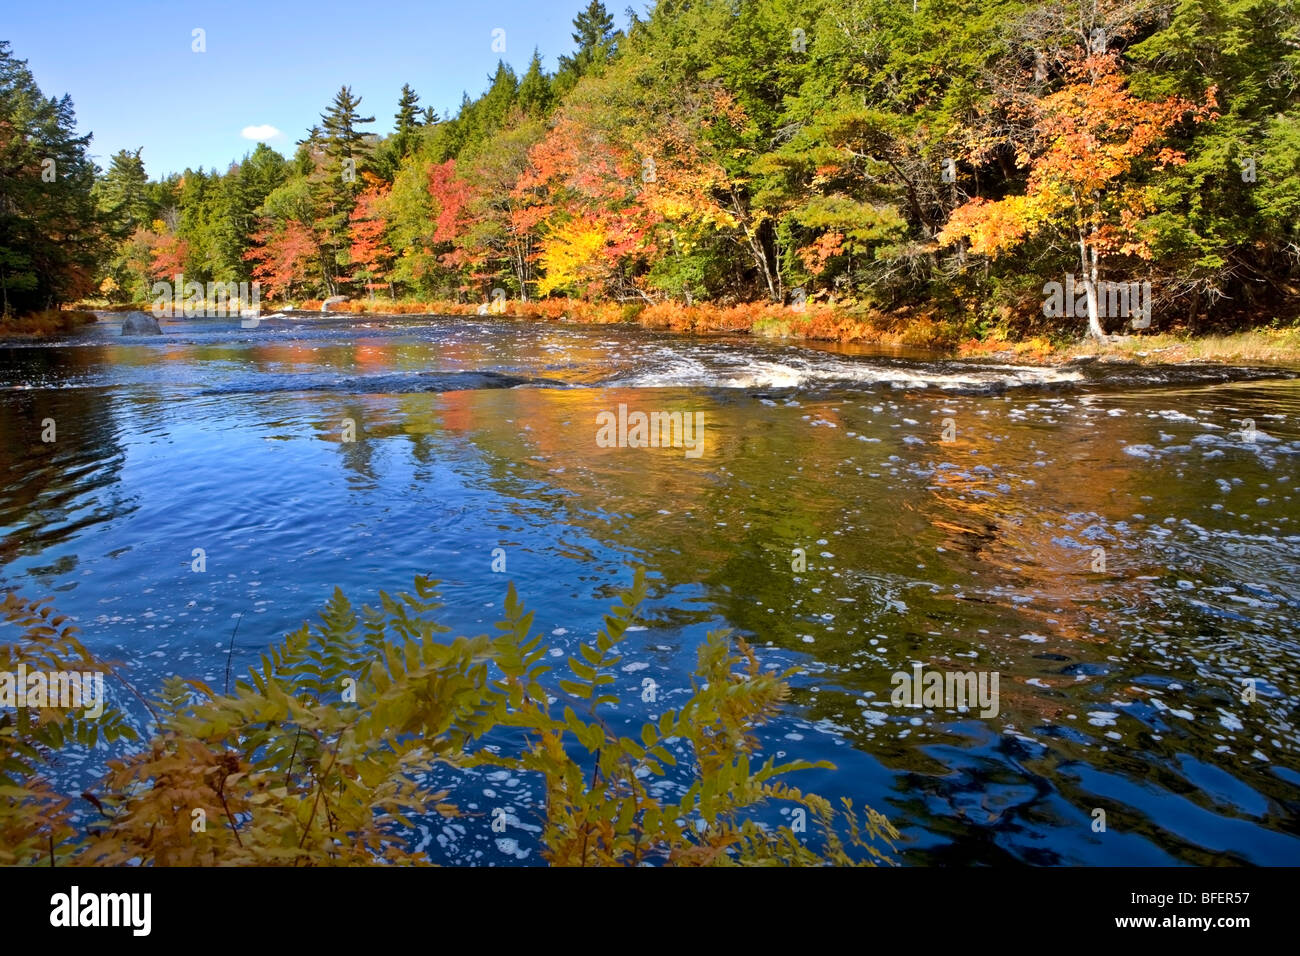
755	247
1088	259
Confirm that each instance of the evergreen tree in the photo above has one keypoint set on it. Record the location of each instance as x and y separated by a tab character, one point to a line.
341	135
236	199
597	40
49	224
408	110
405	123
122	195
535	94
493	109
338	181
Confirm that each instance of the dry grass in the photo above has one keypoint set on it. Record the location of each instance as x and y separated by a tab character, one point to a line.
1260	346
39	326
815	321
846	323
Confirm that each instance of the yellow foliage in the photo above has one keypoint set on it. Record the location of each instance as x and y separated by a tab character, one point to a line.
572	255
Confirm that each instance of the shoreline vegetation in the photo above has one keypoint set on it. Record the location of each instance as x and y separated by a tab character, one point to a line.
1278	343
43	326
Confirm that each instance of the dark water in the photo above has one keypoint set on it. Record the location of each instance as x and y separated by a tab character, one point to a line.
1119	689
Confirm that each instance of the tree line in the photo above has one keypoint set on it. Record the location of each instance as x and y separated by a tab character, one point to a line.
949	155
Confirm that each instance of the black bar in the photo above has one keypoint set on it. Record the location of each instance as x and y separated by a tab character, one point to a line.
335	907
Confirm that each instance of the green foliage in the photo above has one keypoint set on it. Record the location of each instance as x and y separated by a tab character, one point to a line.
324	753
596	41
801	144
49	224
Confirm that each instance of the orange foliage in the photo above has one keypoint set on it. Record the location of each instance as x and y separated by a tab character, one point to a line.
282	259
1093	132
368	251
168	255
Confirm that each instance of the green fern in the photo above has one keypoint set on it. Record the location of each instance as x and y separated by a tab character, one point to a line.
289	770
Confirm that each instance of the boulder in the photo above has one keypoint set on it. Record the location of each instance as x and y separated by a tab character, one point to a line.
138	323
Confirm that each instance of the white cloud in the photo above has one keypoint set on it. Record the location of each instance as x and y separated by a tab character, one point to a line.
260	133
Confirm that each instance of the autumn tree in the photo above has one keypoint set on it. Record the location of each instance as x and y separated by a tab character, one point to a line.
369	253
283	258
1095	137
285	251
500	241
723	150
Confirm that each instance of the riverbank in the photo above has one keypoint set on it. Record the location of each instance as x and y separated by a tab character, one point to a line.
43	326
819	322
1255	347
910	329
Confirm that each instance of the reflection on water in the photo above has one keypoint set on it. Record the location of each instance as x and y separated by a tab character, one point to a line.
1117	544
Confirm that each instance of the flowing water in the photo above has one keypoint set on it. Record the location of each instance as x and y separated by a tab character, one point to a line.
1118	544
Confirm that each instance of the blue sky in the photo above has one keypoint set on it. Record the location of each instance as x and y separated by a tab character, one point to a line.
135	81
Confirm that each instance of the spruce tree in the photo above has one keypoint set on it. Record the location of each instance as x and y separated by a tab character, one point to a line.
338	180
122	195
405	121
535	94
49	224
597	40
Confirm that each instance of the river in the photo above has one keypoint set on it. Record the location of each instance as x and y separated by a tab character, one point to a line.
1119	544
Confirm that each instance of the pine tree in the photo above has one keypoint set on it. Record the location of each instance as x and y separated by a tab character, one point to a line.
342	138
49	224
122	195
408	110
535	94
596	38
338	180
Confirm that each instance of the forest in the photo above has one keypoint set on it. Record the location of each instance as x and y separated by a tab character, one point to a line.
940	159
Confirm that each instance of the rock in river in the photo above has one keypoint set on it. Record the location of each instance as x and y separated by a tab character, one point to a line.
138	323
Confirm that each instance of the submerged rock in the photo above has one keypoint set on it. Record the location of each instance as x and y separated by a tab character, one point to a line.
138	323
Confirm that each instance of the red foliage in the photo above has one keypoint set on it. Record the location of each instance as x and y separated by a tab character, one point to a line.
282	259
451	196
369	252
168	256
